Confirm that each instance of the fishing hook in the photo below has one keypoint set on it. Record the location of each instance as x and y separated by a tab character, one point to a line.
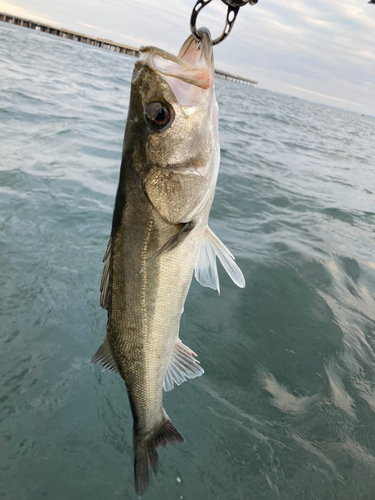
233	8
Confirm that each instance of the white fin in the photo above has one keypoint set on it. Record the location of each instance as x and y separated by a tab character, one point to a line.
104	357
182	366
205	267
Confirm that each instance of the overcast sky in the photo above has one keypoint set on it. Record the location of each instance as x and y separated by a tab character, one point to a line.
320	50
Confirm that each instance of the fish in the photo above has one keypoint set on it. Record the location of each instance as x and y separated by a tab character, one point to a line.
160	237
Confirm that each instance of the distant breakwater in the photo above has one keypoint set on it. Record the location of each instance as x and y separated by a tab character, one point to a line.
102	43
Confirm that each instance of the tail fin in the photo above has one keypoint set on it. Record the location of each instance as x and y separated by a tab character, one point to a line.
145	454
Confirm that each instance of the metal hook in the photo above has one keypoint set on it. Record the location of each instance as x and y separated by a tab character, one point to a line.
233	8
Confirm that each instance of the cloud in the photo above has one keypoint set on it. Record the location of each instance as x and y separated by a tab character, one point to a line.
323	95
323	48
99	29
15	10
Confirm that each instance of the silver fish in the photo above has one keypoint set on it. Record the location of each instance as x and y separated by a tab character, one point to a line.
160	234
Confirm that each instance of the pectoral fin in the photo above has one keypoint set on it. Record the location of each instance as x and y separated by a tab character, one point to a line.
205	267
182	366
172	242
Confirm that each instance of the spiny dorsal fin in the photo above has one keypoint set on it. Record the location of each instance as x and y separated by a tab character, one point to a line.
104	285
183	365
205	267
104	357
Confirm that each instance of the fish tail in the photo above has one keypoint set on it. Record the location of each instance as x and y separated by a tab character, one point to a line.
141	475
145	454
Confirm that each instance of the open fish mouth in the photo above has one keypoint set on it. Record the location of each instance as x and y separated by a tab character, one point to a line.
193	66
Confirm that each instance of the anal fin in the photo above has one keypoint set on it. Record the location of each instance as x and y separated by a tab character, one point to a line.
205	267
183	365
104	357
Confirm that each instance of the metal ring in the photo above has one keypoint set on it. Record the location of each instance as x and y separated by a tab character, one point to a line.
228	23
193	20
239	3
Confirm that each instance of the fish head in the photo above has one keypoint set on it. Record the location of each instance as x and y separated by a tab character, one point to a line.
174	117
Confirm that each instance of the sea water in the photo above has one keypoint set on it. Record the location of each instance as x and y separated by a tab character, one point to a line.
286	407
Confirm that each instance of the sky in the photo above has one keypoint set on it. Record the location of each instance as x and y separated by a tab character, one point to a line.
319	50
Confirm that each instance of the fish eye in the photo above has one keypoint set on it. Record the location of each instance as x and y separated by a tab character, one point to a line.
158	115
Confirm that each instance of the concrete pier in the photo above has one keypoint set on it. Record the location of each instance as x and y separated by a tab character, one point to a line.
72	35
100	42
234	78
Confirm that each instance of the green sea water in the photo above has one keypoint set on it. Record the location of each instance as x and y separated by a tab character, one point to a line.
286	407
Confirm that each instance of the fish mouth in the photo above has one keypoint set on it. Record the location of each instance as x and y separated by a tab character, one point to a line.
198	53
194	64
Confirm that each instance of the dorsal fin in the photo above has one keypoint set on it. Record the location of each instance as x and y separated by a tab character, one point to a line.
183	365
104	357
205	267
